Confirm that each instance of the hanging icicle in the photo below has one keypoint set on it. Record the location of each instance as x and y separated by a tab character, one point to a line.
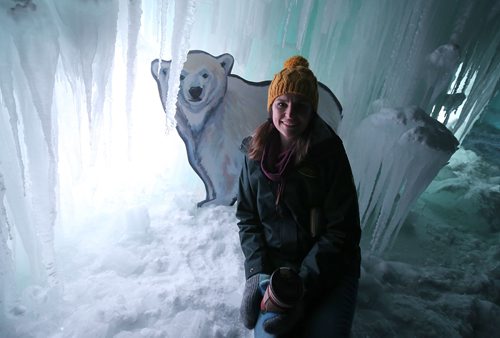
183	22
134	25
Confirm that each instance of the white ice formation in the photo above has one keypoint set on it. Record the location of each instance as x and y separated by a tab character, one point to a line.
395	154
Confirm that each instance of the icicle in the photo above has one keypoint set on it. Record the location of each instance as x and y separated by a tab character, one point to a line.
304	23
162	28
162	33
183	21
4	220
36	40
6	264
480	88
407	149
134	25
35	37
287	21
16	198
443	63
89	31
7	91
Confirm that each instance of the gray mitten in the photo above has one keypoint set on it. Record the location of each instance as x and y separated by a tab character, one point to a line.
250	303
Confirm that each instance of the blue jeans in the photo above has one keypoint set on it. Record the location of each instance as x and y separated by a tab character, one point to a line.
331	318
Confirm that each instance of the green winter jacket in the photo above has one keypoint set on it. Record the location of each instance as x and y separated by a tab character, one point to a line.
320	187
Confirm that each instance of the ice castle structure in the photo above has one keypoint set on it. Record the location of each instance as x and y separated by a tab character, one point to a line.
78	106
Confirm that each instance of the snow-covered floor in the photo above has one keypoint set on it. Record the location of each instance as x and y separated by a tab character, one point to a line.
442	276
169	269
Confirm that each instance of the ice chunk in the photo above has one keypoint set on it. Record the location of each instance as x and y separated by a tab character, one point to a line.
136	222
395	154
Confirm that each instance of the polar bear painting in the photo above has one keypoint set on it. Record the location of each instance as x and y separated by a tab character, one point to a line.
216	110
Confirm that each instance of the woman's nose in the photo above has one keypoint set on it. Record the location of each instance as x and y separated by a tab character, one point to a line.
290	111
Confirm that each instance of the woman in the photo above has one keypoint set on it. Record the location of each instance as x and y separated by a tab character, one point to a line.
297	208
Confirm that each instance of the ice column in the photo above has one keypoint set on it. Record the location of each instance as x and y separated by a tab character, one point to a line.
395	154
134	25
183	22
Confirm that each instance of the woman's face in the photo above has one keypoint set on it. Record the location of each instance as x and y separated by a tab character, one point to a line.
291	115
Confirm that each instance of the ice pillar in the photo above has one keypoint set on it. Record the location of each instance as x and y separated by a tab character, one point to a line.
395	154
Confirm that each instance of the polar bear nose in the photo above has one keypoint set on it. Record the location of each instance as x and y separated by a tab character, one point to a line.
195	92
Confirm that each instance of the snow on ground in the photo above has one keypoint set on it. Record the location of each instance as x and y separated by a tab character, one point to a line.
442	276
169	269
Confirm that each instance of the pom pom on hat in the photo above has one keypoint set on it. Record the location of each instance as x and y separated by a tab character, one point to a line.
294	78
296	61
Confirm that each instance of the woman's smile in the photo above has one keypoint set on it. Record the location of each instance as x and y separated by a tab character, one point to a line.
289	124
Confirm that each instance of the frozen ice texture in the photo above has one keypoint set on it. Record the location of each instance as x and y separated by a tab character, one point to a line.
183	22
395	154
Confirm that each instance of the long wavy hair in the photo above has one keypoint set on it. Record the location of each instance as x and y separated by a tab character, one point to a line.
263	132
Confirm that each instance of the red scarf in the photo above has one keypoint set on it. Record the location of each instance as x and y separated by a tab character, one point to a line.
274	163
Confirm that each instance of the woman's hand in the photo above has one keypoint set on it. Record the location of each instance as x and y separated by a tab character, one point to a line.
284	322
250	303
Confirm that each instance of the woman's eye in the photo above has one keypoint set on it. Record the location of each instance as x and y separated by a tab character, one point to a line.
281	105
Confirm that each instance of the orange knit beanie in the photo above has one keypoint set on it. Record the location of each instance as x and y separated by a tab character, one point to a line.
295	78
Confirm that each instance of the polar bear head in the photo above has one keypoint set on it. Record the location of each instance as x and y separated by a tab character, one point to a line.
203	84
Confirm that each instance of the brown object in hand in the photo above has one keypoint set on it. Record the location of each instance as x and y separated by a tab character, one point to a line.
284	291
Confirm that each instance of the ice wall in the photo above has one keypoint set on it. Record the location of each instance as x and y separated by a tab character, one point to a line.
79	111
53	56
68	83
404	52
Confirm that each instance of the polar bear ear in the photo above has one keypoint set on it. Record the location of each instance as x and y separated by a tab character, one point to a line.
155	67
226	61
